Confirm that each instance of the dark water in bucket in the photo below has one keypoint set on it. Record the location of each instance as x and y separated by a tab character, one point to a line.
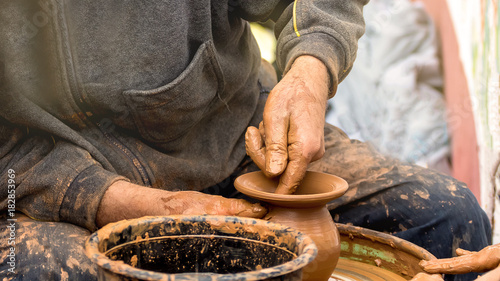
200	253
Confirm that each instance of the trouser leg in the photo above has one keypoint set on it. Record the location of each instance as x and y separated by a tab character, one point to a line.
44	251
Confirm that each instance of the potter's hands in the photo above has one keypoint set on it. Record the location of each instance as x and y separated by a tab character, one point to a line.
493	275
422	276
484	260
124	200
292	132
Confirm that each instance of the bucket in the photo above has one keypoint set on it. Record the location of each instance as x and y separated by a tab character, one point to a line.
199	248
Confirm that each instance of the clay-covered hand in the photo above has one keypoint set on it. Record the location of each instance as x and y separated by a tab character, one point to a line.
467	261
493	275
422	276
291	134
124	200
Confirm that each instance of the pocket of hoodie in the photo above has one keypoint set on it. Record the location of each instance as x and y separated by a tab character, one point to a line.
168	112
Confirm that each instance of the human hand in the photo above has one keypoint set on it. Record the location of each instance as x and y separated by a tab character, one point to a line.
422	276
467	261
493	275
291	134
125	200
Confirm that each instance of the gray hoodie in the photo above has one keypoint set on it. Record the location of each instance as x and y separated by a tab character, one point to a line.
156	92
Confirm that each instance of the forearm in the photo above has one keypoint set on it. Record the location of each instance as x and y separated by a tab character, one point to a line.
125	200
314	73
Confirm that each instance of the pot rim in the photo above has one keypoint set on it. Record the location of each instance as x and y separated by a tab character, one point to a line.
309	250
339	187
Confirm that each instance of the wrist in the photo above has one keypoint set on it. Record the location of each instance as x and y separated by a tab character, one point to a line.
125	200
313	70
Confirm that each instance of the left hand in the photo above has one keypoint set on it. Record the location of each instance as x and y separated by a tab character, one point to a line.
422	276
291	134
484	260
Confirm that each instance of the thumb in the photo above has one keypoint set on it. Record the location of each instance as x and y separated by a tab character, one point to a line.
243	208
276	147
255	147
462	252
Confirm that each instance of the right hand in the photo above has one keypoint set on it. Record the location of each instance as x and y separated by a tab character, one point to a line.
291	134
467	261
125	200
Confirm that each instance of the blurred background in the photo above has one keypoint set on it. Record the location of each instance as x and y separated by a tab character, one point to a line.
425	88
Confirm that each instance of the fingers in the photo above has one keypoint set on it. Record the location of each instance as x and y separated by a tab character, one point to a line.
237	207
484	260
462	252
275	132
243	208
255	147
422	276
458	265
295	170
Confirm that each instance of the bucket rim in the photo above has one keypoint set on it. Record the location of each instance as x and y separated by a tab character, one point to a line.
305	256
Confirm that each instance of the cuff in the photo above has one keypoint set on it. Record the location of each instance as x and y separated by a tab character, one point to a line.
82	198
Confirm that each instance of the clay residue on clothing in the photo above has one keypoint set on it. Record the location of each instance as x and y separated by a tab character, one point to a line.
423	193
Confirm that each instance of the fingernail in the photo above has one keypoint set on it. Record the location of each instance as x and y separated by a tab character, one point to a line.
275	167
258	208
273	170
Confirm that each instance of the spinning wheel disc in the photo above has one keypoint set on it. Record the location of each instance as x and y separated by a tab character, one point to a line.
348	270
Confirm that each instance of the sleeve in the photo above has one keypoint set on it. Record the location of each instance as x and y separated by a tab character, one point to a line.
326	29
54	180
55	173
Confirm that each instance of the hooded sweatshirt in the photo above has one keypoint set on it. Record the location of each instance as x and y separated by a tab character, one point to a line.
156	92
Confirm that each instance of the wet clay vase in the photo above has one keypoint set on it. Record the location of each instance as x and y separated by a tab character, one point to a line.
184	248
305	211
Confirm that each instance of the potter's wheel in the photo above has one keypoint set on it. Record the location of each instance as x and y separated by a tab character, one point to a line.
349	270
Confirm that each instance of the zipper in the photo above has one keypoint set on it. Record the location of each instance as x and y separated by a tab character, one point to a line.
130	155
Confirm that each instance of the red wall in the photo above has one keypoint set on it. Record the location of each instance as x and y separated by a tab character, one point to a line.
465	162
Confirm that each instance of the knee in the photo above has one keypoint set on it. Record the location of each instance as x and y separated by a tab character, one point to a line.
47	251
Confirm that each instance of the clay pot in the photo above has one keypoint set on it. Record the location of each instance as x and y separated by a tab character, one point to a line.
197	248
305	211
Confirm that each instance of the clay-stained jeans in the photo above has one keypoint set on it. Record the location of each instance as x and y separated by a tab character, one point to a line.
420	205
